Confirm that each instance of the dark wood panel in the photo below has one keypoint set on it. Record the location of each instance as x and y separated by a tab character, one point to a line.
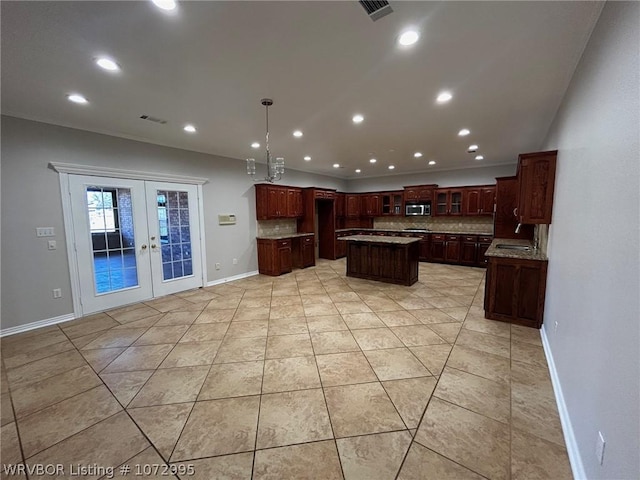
536	177
505	220
383	262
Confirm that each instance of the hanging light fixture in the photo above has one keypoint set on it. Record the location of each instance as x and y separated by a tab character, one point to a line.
275	169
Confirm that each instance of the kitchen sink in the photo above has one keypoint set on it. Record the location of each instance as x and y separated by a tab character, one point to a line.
507	246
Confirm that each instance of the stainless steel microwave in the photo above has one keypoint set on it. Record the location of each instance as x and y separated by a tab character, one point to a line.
415	209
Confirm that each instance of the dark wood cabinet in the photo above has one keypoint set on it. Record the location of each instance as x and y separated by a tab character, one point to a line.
536	180
483	245
515	291
425	248
274	256
487	200
391	203
419	193
341	245
274	202
448	201
383	261
505	221
452	249
370	205
304	251
478	200
294	202
352	205
339	205
469	250
438	241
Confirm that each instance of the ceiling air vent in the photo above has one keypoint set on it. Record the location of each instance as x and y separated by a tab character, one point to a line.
153	119
376	10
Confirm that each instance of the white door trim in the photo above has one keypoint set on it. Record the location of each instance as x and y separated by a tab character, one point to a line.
65	169
95	171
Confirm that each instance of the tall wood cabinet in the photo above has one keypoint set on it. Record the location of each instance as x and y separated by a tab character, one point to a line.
536	180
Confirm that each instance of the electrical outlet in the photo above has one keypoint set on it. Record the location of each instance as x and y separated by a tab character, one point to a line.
51	245
217	266
57	293
600	448
555	327
235	261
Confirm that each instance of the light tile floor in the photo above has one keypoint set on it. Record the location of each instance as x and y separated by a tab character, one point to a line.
308	375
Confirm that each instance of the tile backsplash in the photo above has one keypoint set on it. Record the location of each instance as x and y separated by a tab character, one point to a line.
449	224
277	227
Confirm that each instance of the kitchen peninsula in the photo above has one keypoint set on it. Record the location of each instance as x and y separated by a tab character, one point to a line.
383	258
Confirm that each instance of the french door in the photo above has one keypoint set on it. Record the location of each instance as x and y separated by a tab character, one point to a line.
134	239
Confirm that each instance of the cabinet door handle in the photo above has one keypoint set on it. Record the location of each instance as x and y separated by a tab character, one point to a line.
515	212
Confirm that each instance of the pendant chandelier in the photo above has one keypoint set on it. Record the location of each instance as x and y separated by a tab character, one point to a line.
275	168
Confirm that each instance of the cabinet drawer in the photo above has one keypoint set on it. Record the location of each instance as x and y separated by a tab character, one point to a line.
438	236
307	239
284	243
469	238
486	239
453	238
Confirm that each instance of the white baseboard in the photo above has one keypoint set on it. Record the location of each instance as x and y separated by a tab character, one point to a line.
39	324
572	446
231	279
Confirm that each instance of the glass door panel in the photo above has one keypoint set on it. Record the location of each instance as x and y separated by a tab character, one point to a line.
175	237
109	217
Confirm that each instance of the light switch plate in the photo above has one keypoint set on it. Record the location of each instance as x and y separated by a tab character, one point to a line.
45	232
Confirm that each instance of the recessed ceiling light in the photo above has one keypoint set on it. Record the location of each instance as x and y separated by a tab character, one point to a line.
357	118
77	98
408	38
391	167
307	158
255	145
417	154
358	170
165	4
372	160
472	148
189	129
107	64
444	97
479	157
464	132
336	165
297	133
432	162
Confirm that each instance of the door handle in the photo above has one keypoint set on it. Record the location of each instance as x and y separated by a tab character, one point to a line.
153	238
153	245
143	247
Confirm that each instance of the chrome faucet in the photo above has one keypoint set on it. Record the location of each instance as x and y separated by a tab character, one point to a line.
518	227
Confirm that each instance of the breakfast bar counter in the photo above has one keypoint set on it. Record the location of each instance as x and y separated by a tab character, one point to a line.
383	258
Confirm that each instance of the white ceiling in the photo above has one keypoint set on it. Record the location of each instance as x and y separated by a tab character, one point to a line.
507	64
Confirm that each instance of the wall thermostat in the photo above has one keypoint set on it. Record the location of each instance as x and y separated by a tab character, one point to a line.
226	219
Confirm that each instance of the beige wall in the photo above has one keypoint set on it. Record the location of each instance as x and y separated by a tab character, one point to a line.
593	285
31	198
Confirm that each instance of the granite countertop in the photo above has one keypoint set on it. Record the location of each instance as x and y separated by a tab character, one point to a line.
450	232
283	236
530	254
381	239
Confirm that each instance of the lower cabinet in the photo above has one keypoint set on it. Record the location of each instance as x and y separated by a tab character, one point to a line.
483	245
276	257
469	250
452	249
341	245
515	291
438	242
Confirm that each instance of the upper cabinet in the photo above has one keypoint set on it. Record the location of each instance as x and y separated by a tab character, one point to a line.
419	193
448	201
370	205
391	203
339	204
352	204
536	179
479	200
277	202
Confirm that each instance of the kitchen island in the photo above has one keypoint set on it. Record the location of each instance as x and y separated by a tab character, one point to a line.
383	258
